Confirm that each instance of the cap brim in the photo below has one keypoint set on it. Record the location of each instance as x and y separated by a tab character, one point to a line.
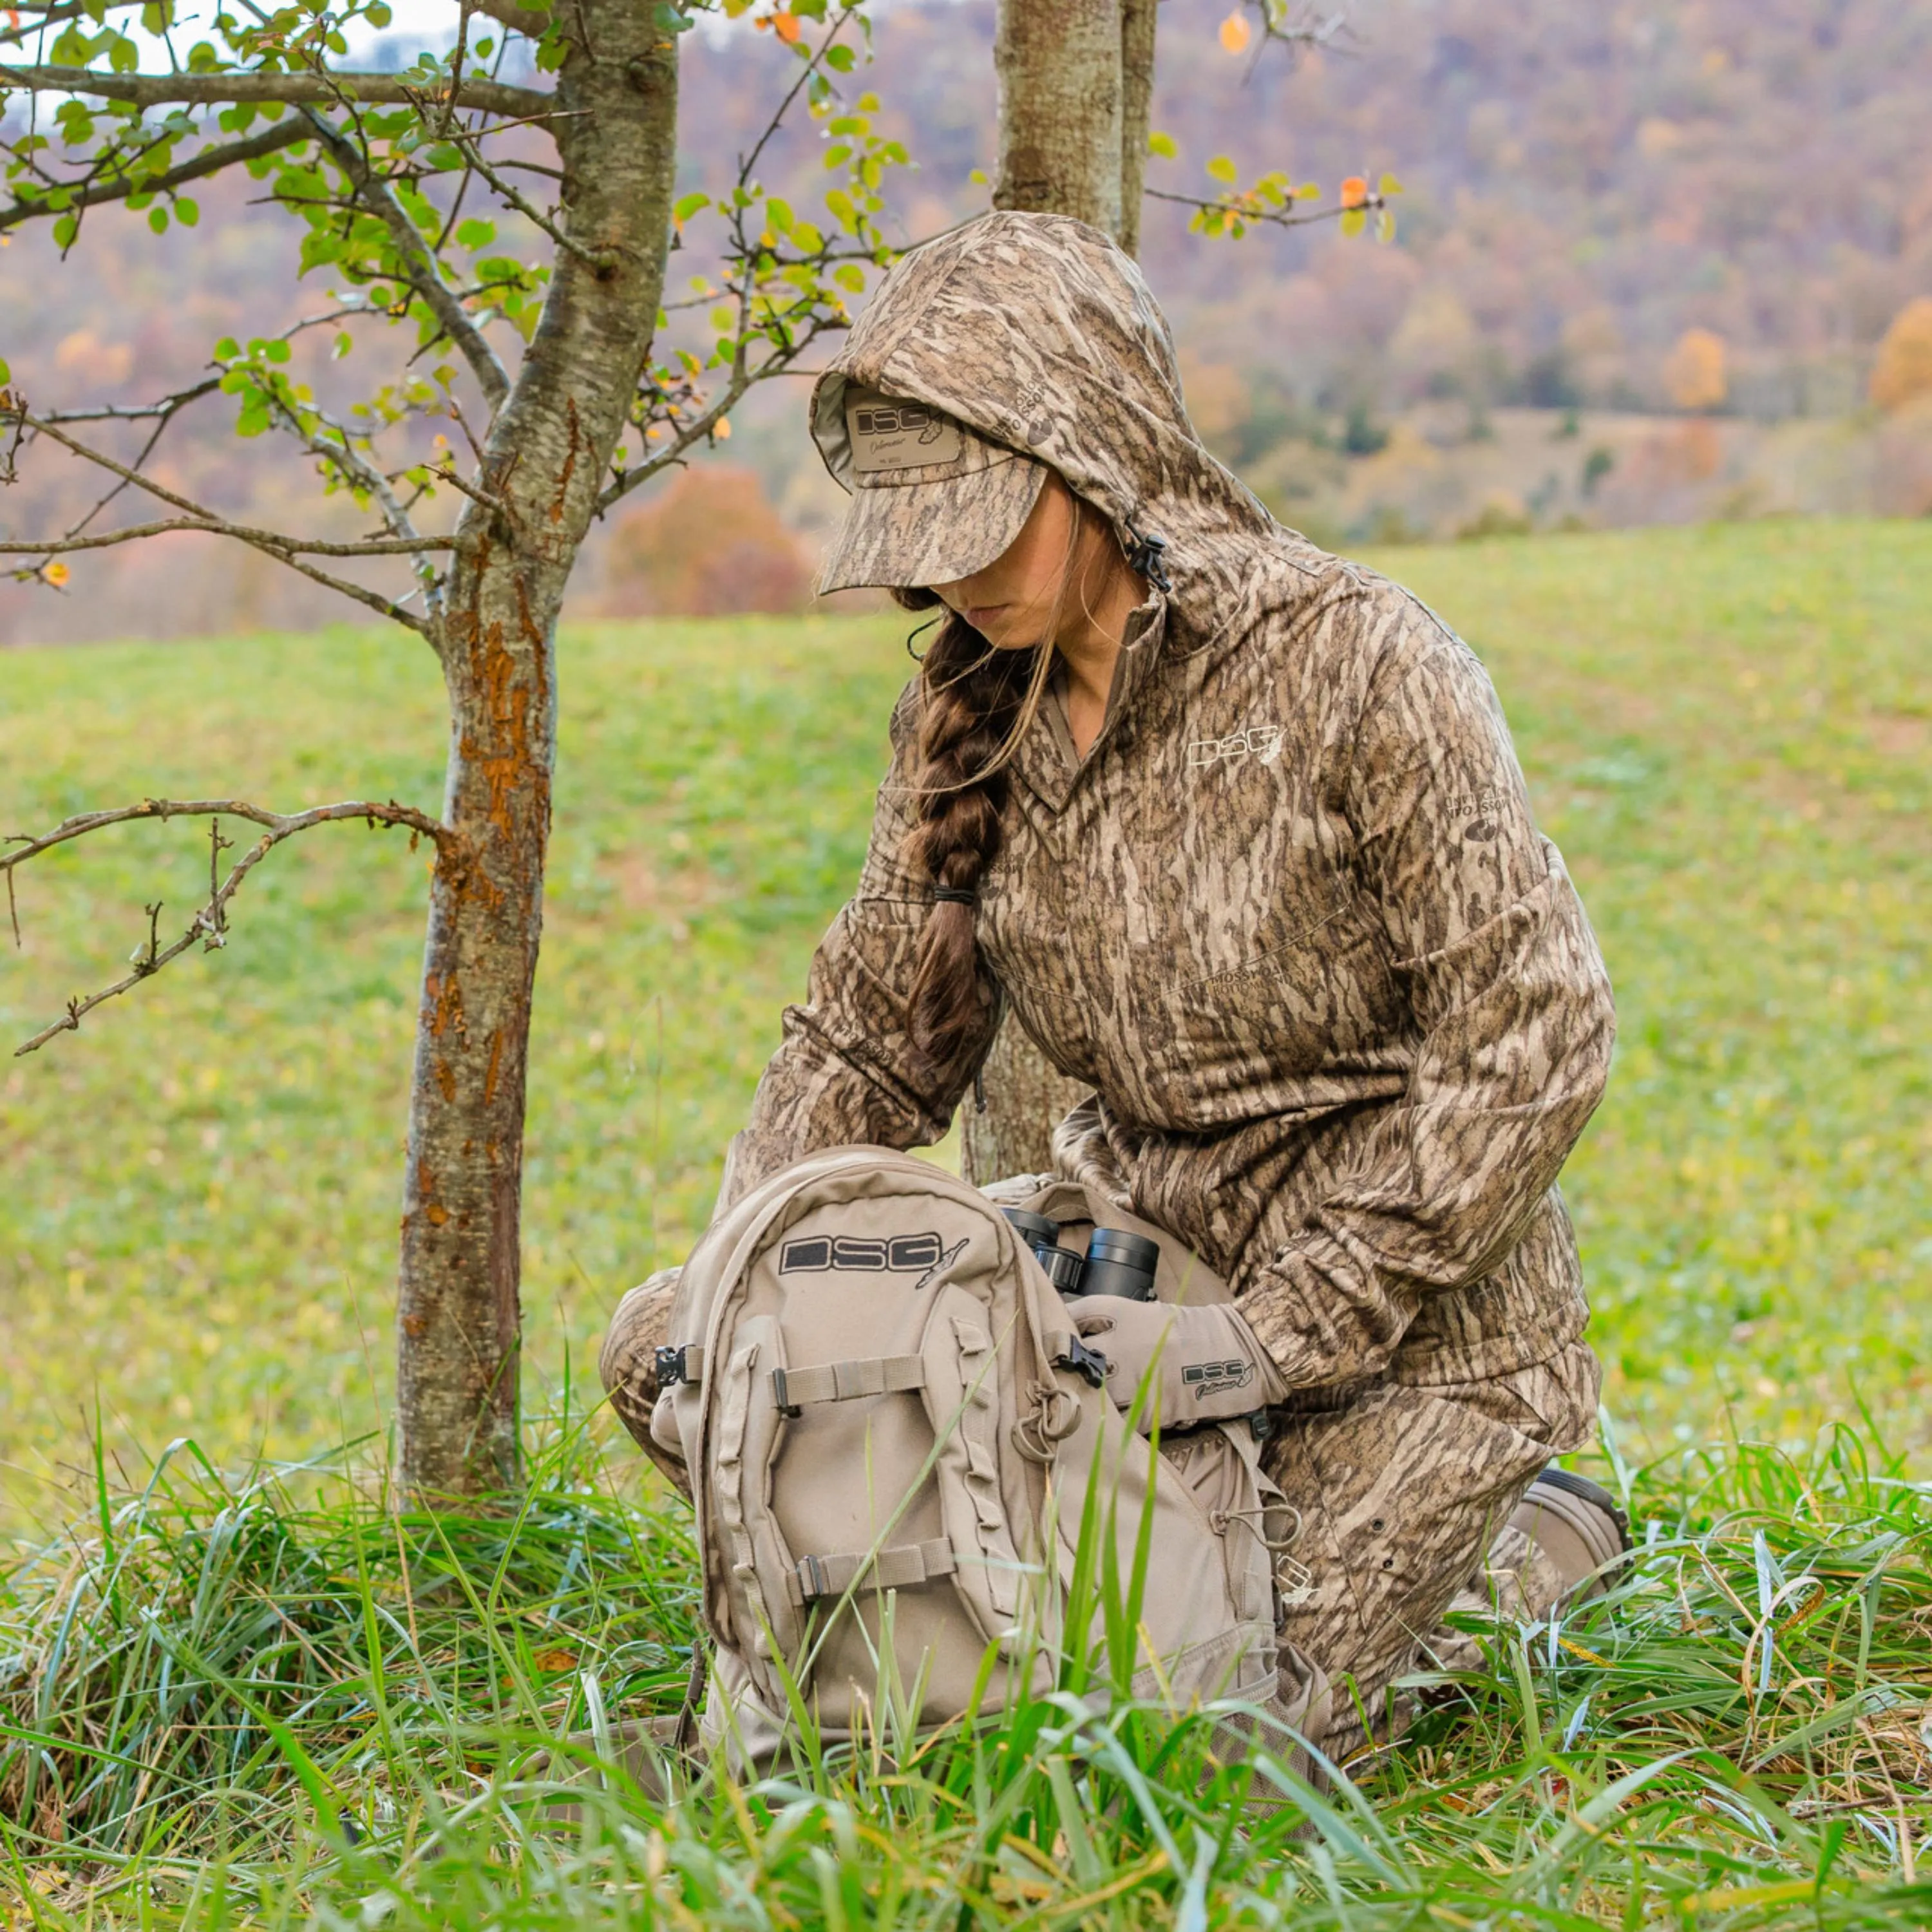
902	536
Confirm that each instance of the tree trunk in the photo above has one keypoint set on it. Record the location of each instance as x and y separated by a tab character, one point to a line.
1137	40
459	1319
1059	67
1026	1099
1076	85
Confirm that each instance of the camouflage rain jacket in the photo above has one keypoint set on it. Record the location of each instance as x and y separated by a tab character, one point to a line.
1341	1012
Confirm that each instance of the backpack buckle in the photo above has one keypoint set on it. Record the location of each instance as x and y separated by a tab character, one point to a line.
1083	1361
673	1366
782	1395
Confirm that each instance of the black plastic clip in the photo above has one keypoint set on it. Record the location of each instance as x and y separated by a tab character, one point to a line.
782	1395
670	1365
1147	557
1262	1423
1083	1361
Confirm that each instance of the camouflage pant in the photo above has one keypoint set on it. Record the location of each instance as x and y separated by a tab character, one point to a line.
1405	1491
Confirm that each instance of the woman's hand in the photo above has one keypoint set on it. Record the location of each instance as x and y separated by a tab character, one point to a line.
1198	1364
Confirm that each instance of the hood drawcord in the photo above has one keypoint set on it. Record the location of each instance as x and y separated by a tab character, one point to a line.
1146	557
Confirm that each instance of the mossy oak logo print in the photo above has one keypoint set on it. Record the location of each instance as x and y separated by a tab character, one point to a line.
925	1255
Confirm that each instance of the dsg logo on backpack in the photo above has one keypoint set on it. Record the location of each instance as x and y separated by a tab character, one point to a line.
922	1254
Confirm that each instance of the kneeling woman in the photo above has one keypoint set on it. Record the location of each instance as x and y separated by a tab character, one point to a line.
1235	830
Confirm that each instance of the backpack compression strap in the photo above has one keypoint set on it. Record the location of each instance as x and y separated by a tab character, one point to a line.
902	1567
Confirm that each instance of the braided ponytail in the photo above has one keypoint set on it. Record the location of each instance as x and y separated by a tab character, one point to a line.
975	700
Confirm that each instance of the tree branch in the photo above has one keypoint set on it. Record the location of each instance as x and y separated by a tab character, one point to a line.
420	266
210	924
210	160
223	90
1237	210
463	138
274	541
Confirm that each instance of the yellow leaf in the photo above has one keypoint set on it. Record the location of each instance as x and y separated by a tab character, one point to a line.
1353	222
1163	145
56	573
785	25
1235	33
721	429
1354	191
1223	168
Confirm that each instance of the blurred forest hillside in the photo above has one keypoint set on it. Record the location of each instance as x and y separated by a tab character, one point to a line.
1658	261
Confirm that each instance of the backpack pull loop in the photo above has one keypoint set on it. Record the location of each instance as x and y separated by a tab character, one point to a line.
1055	1416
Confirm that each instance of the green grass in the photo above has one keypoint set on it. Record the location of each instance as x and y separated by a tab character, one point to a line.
278	1703
1729	731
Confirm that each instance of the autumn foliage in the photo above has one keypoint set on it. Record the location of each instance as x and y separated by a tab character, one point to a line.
1903	371
710	545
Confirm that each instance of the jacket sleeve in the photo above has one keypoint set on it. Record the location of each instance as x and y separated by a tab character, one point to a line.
845	1071
1511	1010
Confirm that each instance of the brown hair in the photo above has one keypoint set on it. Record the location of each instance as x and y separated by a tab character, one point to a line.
976	702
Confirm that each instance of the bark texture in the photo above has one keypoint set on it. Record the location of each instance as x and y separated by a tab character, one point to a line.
1137	46
1025	1100
1059	67
459	1320
1076	88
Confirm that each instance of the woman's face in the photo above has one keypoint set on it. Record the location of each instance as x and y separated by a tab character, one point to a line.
1010	602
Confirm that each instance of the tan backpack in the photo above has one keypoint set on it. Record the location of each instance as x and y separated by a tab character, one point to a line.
895	1438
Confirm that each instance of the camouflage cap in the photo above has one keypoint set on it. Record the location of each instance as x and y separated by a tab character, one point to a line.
931	501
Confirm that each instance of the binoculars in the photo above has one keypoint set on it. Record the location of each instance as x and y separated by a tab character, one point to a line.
1115	1263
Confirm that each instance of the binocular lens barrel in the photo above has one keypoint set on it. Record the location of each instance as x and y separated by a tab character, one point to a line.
1119	1263
1116	1262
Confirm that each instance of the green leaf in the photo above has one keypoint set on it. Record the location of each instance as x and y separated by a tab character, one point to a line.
690	205
1223	168
187	212
1355	221
6	374
840	59
65	229
476	233
379	16
850	275
1163	145
227	349
1390	185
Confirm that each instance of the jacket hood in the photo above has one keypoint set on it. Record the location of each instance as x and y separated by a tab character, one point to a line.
1039	332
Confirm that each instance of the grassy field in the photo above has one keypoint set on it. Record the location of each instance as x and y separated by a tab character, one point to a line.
1729	732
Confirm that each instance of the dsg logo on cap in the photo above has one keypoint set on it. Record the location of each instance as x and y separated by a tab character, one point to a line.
889	433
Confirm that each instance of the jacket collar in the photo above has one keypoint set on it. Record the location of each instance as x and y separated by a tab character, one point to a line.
1046	759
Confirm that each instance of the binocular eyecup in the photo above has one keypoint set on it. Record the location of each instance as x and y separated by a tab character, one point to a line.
1116	1262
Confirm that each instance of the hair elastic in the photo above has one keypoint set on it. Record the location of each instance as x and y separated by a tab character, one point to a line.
919	631
964	895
